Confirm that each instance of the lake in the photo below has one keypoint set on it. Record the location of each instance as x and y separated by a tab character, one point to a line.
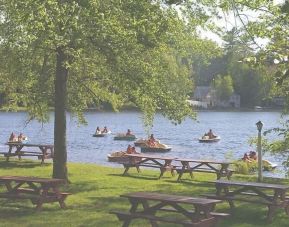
235	129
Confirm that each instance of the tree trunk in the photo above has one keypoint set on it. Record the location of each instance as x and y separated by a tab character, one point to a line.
60	152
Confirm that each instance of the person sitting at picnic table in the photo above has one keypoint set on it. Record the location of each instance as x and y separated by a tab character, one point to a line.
13	137
97	131
105	130
253	155
128	133
21	137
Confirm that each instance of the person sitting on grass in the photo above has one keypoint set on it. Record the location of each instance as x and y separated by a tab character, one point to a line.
253	155
246	158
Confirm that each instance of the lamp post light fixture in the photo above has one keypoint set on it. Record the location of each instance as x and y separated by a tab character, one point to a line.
259	149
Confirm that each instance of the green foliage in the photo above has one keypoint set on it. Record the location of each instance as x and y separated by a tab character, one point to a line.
117	52
223	86
245	167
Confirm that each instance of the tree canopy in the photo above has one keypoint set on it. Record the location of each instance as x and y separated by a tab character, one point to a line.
69	54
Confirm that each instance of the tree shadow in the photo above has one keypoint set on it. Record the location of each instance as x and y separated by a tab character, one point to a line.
22	164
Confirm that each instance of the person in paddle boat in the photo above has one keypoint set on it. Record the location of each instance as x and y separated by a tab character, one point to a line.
129	149
209	135
105	130
97	131
152	141
128	133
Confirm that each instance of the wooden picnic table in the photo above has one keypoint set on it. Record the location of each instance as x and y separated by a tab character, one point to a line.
152	161
38	190
197	212
15	149
220	168
271	195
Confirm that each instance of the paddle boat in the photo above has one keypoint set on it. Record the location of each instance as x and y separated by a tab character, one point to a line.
123	136
118	156
158	147
206	139
101	134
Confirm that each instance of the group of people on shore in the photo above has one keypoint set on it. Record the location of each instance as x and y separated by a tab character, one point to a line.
14	138
252	156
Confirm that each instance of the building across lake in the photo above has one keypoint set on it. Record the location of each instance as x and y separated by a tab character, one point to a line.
205	97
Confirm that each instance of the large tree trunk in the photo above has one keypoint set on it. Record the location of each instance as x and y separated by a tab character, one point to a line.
60	152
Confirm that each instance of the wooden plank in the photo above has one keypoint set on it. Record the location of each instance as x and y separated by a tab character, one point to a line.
123	216
170	198
252	184
202	161
32	179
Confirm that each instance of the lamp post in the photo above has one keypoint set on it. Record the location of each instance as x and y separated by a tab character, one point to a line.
259	149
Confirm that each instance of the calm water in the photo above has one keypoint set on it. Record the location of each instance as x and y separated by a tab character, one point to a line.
235	128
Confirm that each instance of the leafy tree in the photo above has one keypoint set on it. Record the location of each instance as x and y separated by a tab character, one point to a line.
223	86
69	54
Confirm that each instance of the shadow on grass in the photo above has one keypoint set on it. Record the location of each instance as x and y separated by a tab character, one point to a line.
142	176
20	164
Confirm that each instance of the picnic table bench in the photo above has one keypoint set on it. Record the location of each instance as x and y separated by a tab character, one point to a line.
271	195
152	161
15	149
220	168
38	190
151	203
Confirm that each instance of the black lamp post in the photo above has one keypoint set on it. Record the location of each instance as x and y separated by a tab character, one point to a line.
259	149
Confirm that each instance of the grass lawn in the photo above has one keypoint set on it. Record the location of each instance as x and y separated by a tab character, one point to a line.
96	191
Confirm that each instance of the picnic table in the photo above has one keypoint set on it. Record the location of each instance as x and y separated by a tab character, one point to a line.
197	212
15	149
271	195
220	168
38	190
152	161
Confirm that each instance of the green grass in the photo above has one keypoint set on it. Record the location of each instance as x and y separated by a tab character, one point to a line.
96	189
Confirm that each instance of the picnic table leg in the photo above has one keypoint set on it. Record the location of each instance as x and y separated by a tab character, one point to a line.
146	207
40	201
180	175
126	170
271	212
134	205
231	203
162	172
60	197
9	153
44	153
137	168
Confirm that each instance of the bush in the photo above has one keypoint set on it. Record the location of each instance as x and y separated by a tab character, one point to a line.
246	168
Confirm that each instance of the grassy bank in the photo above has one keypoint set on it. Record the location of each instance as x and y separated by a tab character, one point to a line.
96	191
